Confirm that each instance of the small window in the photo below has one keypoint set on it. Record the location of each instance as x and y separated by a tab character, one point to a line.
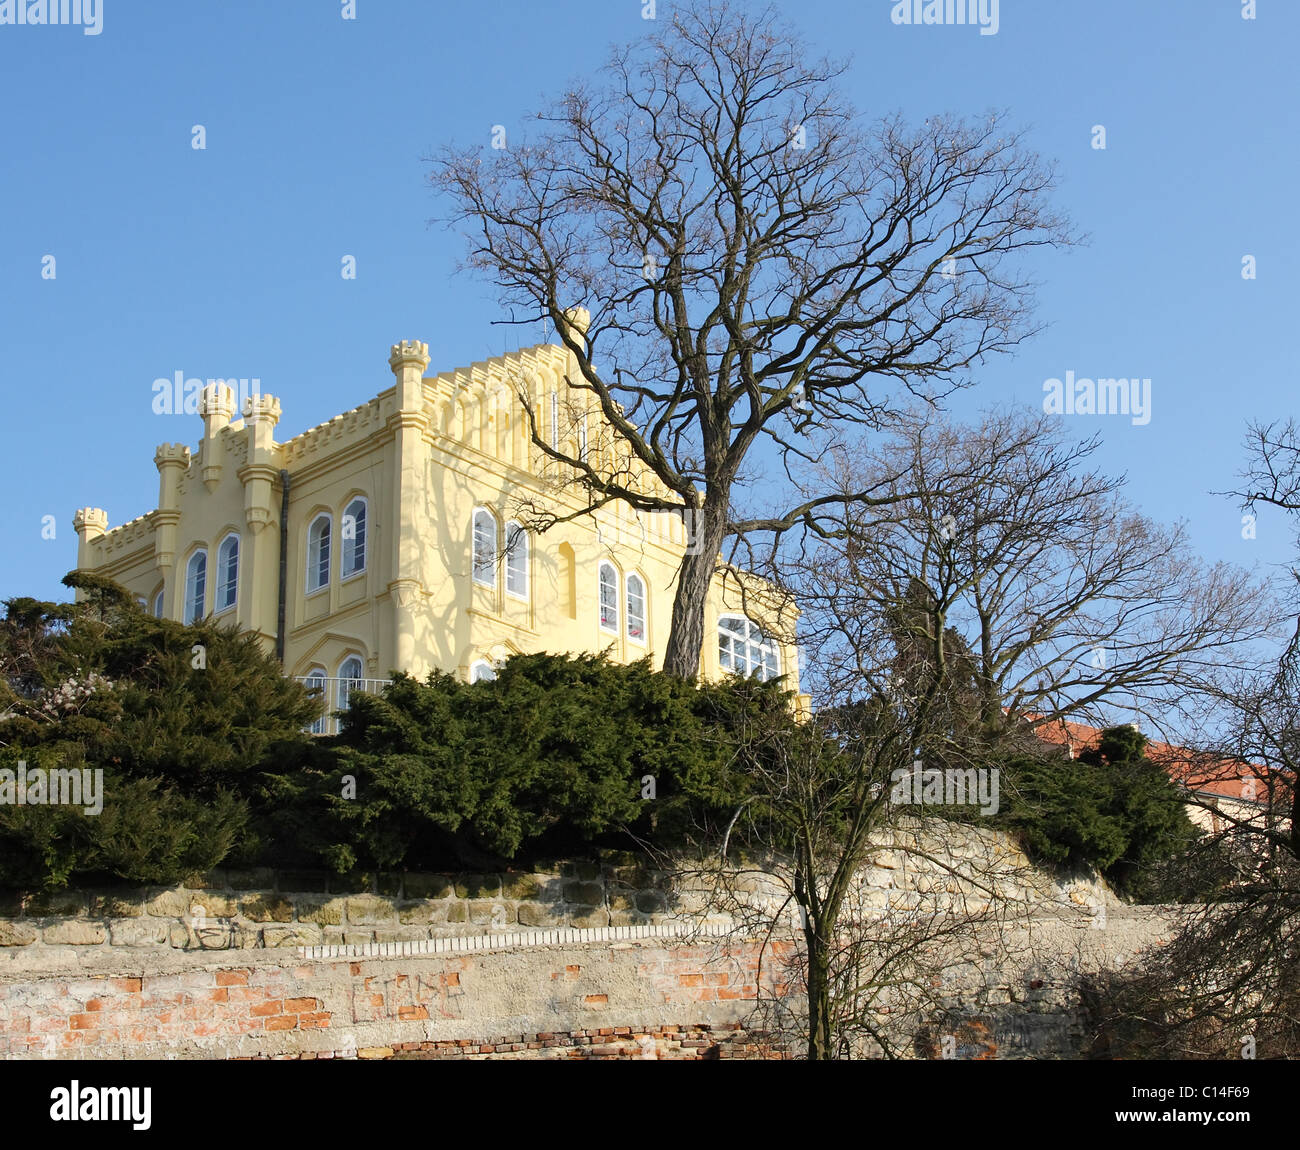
318	553
582	436
315	683
354	538
516	561
158	604
608	598
350	674
636	608
481	672
744	650
485	548
227	572
196	586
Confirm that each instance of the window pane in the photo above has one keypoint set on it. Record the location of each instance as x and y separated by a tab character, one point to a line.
354	537
608	599
485	549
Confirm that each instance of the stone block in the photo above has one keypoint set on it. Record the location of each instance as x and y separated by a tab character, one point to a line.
297	934
584	916
521	886
586	893
266	908
170	904
323	911
17	934
478	885
208	904
420	885
457	912
54	902
539	914
369	909
117	904
423	913
650	902
137	932
580	868
487	912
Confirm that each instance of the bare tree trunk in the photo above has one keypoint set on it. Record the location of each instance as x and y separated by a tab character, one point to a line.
819	997
686	637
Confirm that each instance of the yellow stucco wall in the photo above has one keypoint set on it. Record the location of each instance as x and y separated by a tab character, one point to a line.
424	454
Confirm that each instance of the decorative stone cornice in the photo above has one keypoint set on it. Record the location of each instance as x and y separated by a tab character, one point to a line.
171	455
407	353
90	522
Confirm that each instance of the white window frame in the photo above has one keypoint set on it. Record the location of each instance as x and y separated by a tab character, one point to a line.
218	604
606	565
192	590
157	602
518	550
628	615
346	680
318	725
359	543
483	567
732	643
313	553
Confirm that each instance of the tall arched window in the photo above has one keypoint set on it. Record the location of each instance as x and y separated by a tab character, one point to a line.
315	683
481	672
354	538
608	598
227	572
485	548
555	419
350	674
318	553
196	586
744	649
582	436
516	561
636	608
158	604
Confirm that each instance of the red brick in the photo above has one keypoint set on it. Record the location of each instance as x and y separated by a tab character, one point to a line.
128	984
319	1021
262	1009
300	1005
597	1000
232	978
83	1021
284	1022
412	1013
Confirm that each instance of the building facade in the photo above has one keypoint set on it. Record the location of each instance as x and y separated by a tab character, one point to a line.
395	537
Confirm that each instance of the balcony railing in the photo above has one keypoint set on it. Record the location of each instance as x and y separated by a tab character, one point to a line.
334	694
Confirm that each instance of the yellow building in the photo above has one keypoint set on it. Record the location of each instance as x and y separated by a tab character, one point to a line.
393	538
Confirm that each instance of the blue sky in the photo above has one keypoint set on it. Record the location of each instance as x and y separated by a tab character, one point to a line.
226	261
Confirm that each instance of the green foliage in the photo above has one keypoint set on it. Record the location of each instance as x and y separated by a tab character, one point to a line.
552	754
1111	809
186	724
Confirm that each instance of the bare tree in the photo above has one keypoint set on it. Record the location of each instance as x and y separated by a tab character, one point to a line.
762	273
1027	589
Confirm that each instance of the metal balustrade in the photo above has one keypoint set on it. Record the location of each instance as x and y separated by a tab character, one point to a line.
334	693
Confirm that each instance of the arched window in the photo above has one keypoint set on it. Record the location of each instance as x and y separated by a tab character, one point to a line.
582	436
485	548
608	598
481	672
744	650
350	674
354	538
196	586
158	604
636	608
516	561
315	683
227	572
318	553
555	419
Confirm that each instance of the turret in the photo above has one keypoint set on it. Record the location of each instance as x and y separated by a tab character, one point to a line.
216	405
90	523
259	475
